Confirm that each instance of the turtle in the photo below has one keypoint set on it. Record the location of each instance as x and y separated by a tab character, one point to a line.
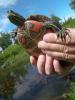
31	29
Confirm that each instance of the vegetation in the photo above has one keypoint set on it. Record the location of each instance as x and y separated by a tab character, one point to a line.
5	40
70	95
12	62
70	23
72	4
56	18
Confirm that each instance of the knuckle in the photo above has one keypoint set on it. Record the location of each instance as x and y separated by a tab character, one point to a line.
65	49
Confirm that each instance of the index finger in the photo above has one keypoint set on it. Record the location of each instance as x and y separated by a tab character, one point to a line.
52	37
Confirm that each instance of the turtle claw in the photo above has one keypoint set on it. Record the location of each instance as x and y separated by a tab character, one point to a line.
63	33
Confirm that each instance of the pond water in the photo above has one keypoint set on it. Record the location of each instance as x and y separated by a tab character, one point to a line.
41	87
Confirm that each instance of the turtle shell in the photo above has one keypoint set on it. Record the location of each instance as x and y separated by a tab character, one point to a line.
37	17
30	43
29	39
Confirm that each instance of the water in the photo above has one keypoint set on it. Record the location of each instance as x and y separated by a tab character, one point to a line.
41	87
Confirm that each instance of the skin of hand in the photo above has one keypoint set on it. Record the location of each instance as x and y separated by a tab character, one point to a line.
54	49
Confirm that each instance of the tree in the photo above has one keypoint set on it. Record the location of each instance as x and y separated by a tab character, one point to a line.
12	68
72	4
56	18
5	40
69	23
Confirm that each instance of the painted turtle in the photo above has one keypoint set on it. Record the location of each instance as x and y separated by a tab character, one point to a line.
31	29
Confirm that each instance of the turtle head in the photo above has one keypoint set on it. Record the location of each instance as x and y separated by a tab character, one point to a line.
15	18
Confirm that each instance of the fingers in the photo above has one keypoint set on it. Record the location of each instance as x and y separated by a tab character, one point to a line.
60	69
33	60
52	38
61	56
49	69
41	64
47	65
44	64
56	47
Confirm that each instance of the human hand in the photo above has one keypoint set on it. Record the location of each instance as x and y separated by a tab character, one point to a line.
58	49
54	50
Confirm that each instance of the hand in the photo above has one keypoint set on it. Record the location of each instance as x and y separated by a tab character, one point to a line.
58	49
54	49
48	65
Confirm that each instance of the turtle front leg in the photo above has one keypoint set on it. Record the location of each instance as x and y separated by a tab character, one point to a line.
62	34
